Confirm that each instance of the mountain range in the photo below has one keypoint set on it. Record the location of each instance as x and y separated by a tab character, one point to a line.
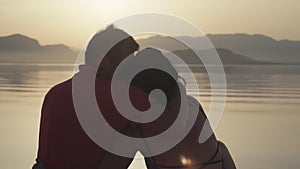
19	48
233	49
257	47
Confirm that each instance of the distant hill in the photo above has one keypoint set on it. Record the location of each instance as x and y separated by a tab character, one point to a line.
18	43
22	49
227	57
163	42
258	47
186	54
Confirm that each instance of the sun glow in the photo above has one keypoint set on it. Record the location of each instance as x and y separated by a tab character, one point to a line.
109	5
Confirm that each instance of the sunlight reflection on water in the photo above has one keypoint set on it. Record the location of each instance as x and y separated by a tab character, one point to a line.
261	120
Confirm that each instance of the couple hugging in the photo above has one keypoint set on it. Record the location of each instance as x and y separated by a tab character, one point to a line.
63	142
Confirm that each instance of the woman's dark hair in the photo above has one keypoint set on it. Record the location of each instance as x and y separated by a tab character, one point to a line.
150	79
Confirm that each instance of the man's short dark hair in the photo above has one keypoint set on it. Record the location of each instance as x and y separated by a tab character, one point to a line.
108	42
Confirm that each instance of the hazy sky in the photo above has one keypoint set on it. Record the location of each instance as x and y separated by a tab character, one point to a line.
72	22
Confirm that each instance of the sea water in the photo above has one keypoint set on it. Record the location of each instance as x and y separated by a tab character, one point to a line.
260	124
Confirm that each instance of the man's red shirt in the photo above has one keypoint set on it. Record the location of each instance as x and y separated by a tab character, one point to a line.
63	144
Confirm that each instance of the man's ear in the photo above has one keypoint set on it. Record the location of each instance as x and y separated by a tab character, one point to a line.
105	64
105	67
125	51
105	61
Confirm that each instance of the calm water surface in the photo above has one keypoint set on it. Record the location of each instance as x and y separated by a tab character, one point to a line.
260	124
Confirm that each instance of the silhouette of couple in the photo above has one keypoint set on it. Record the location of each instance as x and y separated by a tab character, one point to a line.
63	143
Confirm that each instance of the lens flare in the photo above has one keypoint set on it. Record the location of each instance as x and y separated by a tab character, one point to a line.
186	161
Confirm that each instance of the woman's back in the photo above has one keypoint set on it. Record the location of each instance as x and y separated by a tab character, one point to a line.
189	153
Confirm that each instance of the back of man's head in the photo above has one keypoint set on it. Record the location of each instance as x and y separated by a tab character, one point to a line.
110	43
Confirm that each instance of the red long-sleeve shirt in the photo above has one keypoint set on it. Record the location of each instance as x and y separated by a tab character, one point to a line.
63	144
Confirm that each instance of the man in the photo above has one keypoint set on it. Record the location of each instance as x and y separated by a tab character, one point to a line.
63	144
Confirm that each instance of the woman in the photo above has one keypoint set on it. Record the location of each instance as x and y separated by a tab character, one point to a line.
189	153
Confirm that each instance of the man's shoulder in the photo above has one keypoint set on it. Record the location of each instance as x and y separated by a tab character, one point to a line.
61	88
